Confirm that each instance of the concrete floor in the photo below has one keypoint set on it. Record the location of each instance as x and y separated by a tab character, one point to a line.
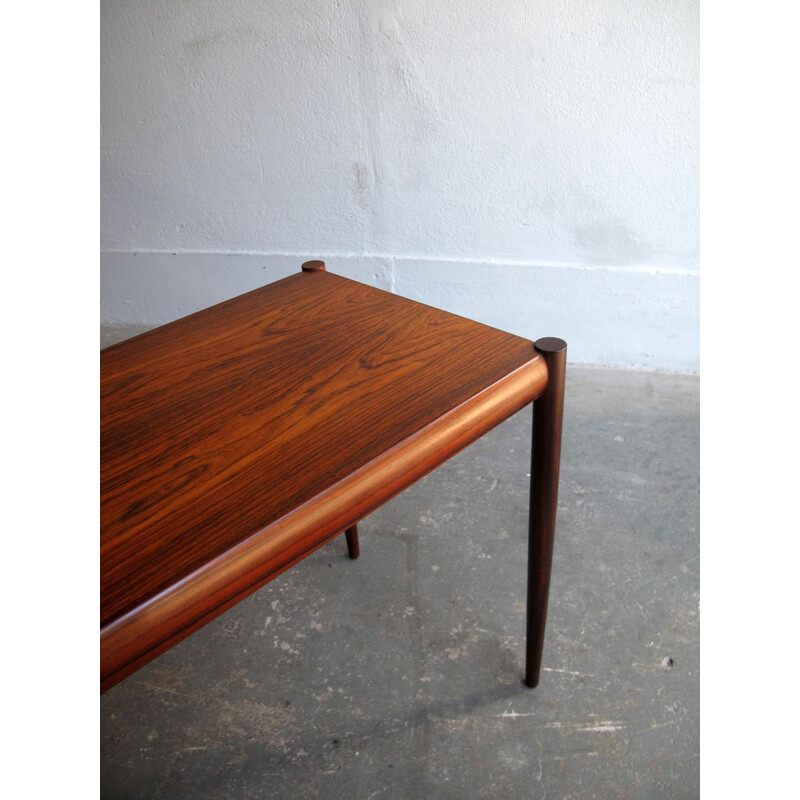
399	675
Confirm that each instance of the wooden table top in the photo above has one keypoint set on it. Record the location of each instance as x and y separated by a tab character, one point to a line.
217	426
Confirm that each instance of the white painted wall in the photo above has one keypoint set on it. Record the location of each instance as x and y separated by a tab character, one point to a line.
531	164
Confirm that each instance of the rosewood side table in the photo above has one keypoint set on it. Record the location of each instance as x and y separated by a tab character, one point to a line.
238	440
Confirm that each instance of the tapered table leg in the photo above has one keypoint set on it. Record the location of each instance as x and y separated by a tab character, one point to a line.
351	534
548	413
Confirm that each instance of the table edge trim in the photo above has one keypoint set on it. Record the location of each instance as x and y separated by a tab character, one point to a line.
131	640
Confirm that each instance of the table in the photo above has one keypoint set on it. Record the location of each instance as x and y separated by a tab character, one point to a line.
239	439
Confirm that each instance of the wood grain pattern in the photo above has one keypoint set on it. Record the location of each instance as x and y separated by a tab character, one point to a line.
237	440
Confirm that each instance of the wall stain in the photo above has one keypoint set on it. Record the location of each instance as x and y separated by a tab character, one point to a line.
608	240
362	184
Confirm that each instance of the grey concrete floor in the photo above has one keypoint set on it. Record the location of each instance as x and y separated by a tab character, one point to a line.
399	675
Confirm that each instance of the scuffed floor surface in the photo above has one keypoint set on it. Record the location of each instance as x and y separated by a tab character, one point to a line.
399	675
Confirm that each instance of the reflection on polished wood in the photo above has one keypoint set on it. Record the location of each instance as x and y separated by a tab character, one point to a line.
239	439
